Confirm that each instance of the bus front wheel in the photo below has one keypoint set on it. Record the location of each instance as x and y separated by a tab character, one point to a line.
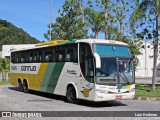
71	95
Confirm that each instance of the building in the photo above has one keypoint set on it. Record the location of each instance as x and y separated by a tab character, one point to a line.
6	49
145	66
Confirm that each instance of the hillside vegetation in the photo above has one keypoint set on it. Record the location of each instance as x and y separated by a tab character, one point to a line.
10	34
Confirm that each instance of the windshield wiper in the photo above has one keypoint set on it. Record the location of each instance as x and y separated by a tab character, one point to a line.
125	78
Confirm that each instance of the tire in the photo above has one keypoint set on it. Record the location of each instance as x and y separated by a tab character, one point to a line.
71	95
25	86
20	86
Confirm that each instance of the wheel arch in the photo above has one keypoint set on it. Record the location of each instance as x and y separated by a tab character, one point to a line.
20	80
73	85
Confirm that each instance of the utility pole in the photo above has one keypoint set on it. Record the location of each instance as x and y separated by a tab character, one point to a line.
82	12
50	20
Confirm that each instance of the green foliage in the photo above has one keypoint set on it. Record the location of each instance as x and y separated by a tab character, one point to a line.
110	13
150	12
134	46
95	20
120	8
10	34
69	25
144	17
4	64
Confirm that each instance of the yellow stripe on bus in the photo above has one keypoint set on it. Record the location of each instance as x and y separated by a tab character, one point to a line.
34	80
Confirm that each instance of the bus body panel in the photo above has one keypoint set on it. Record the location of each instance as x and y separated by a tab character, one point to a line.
53	78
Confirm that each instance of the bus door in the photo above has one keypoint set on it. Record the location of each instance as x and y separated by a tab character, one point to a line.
86	61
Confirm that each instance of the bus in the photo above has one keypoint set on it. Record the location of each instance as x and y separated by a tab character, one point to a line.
88	69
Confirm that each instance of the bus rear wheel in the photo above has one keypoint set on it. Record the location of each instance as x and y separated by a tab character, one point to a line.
71	95
20	86
25	86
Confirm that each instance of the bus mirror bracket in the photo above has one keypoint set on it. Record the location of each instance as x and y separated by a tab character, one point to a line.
133	57
98	60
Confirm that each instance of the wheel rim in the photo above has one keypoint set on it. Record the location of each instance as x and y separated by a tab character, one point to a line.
19	85
25	86
72	95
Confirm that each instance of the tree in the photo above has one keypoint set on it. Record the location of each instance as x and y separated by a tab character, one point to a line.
69	25
10	34
152	8
120	10
105	4
4	65
95	20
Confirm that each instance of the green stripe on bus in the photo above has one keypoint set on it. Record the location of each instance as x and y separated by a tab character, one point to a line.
54	76
47	76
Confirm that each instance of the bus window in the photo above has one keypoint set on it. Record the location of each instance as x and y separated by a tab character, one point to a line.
30	56
37	57
12	57
60	53
48	54
89	69
18	57
60	57
54	55
23	56
71	53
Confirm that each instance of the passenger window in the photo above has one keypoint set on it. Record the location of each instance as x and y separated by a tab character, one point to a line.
48	54
13	57
59	53
71	53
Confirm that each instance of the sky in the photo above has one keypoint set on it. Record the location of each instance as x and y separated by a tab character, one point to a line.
32	16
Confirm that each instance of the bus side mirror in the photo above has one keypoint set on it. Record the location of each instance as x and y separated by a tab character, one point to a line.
98	60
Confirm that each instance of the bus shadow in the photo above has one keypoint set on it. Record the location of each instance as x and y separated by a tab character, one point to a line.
13	88
41	94
101	104
81	103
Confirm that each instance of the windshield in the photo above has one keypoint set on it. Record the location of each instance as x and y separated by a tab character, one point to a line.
111	50
115	71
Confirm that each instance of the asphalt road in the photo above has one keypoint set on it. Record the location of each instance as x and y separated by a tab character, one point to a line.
13	100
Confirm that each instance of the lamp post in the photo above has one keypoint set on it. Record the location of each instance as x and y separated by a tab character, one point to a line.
50	20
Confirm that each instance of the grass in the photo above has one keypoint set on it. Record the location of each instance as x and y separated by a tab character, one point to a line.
145	90
4	83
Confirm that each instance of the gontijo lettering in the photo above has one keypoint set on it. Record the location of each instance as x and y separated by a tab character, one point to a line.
28	68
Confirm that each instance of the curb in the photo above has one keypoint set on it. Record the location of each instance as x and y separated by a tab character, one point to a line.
147	98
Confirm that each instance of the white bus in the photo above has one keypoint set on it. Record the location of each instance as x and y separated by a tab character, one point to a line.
89	69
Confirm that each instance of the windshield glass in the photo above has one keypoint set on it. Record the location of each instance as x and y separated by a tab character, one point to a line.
115	71
111	50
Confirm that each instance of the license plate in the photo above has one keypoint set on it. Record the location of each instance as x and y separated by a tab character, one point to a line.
119	97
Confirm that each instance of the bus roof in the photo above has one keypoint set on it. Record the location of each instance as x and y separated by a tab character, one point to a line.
63	42
90	41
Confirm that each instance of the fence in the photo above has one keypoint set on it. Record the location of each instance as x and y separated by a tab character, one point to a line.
4	76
